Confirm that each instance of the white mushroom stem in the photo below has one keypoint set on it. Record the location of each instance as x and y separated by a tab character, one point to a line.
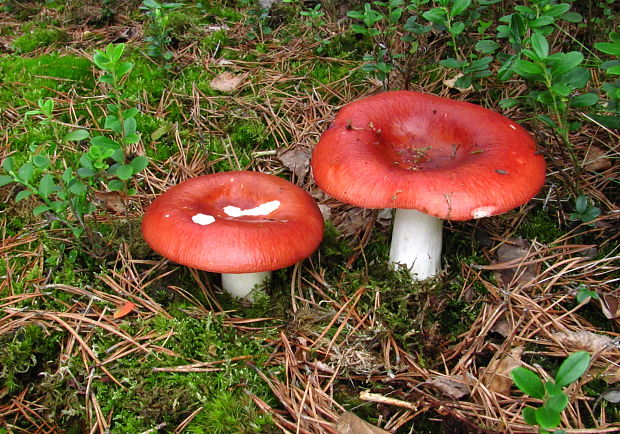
416	242
240	285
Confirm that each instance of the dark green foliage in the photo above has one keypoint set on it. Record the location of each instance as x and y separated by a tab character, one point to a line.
555	400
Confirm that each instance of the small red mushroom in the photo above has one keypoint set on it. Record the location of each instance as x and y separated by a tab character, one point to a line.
432	158
241	224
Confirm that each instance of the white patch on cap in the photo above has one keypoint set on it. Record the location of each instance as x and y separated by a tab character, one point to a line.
166	215
483	211
513	127
263	209
203	219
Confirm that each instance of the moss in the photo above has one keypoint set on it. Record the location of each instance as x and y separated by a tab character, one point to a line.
540	225
37	38
24	353
39	75
153	397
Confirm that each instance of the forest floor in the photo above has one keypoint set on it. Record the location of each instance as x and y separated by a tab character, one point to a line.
98	333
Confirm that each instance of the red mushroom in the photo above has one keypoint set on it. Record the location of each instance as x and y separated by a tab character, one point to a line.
241	224
431	158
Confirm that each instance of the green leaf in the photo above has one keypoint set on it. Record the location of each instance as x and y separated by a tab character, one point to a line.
552	388
486	46
101	60
585	100
47	185
556	10
356	15
547	121
581	204
547	418
457	28
611	122
124	172
129	127
112	123
557	402
78	188
115	51
86	172
526	68
41	161
585	294
118	155
76	135
58	206
77	231
561	89
104	142
107	78
116	185
130	113
5	179
67	175
130	139
463	82
572	17
480	64
576	78
529	416
564	62
614	70
540	45
25	172
507	103
459	7
124	68
541	21
139	164
572	368
7	164
528	382
435	16
450	63
40	210
608	48
22	195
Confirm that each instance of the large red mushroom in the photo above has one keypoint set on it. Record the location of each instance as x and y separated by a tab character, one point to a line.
242	224
431	158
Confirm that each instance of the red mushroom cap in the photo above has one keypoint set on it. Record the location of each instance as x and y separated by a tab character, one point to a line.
449	159
234	222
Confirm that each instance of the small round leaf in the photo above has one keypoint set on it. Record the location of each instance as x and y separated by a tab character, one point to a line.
528	382
572	368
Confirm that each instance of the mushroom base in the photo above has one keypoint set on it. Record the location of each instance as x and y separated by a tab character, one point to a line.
416	242
240	285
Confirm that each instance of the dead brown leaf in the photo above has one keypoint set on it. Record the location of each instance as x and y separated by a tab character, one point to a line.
497	375
610	305
451	83
226	82
514	251
583	340
597	160
349	423
297	160
113	201
609	374
454	387
503	325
